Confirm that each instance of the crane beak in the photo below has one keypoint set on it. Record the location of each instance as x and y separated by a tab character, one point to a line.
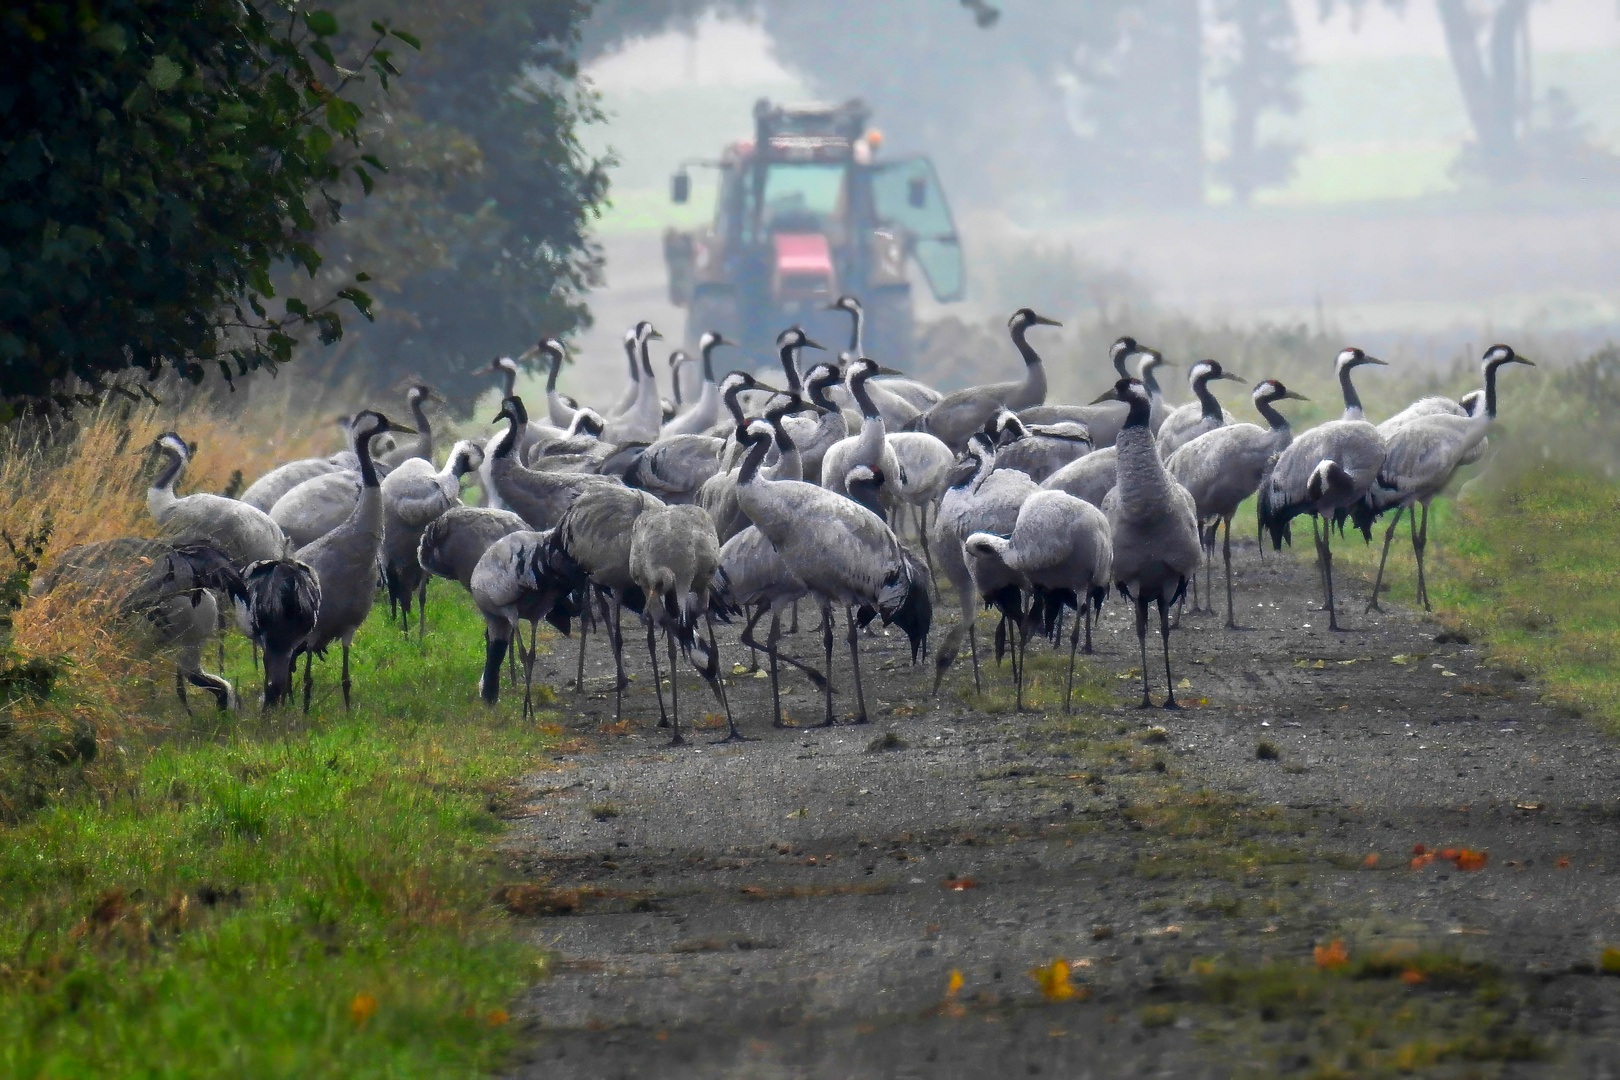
400	428
1107	395
1291	396
766	386
888	371
1042	320
1519	359
718	340
1375	360
654	335
808	344
1233	378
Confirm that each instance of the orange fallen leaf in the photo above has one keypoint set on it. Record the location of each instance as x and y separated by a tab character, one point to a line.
953	985
1332	956
1562	863
1412	976
496	1017
1449	854
1470	861
958	884
1370	861
1417	849
362	1007
1053	979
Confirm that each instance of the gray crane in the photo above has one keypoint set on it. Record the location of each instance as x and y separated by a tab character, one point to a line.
977	498
1037	450
753	576
263	493
1102	417
345	559
640	423
242	533
1324	472
718	497
674	557
1186	422
1421	456
317	506
676	466
283	604
1063	549
842	551
1090	477
957	415
1154	527
165	592
590	549
454	541
705	413
868	447
509	585
633	388
906	397
422	447
413	495
537	497
815	434
1223	467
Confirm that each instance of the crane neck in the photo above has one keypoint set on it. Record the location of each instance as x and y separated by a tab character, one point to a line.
1138	412
675	380
630	355
818	397
509	439
1150	380
551	376
508	380
1211	407
755	457
646	358
424	441
1352	400
790	369
863	397
160	496
362	450
1025	349
1277	420
708	361
1490	387
857	332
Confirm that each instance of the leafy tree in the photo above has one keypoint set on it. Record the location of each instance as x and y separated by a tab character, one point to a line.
1259	75
160	157
478	238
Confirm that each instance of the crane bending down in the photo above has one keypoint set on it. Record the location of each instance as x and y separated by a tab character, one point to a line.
842	551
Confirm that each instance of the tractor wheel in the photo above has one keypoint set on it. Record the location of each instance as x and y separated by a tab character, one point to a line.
890	337
714	307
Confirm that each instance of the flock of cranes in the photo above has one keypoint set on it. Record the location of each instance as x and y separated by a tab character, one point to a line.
755	497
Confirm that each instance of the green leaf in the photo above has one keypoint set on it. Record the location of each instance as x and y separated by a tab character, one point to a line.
410	39
361	276
110	37
342	116
365	179
233	162
318	142
374	162
361	301
324	51
328	326
165	73
298	307
321	23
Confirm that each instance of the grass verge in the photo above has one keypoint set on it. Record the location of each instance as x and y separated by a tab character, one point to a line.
278	897
1527	567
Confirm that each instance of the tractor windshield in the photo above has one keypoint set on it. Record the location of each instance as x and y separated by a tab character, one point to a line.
802	197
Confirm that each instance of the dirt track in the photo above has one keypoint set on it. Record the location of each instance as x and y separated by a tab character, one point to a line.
786	907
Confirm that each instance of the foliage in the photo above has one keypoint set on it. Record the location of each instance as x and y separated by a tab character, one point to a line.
276	897
159	159
478	238
1259	74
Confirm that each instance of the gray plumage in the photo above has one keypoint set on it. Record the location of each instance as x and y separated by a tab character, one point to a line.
641	422
413	496
1038	450
1421	456
676	466
454	541
1185	423
1223	467
1101	418
166	594
509	586
283	605
1090	478
537	497
957	415
815	433
1062	549
869	447
267	489
420	448
317	506
241	532
345	559
842	551
705	412
1324	472
718	495
1154	528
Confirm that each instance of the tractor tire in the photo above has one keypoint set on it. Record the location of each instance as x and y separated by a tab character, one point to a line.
890	334
714	307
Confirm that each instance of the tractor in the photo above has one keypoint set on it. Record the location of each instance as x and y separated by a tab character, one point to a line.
808	212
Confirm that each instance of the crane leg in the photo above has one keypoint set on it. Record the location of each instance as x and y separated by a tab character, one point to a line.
421	611
855	660
752	642
345	676
1226	553
928	556
1419	542
1141	639
1389	534
674	690
180	689
770	648
1324	554
973	653
827	643
495	649
309	682
1074	645
618	645
1019	647
1209	570
658	680
579	673
718	684
1087	604
794	627
1164	632
511	663
528	667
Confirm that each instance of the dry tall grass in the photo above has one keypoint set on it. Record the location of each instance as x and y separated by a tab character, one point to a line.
88	480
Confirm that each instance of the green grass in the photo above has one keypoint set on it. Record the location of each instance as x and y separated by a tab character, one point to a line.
1526	566
280	897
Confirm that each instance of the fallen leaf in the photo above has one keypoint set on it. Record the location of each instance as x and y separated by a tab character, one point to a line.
1562	863
1449	854
953	985
1184	684
739	669
1412	976
1370	861
800	812
1417	849
1609	962
496	1017
1053	979
1401	658
1332	956
1320	664
959	884
762	674
361	1008
1469	861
